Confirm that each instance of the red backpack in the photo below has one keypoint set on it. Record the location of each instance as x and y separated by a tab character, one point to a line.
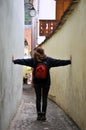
41	71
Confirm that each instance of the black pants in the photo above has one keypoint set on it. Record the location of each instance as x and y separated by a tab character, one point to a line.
41	97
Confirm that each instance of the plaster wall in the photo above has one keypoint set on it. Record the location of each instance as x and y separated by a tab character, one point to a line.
68	82
11	43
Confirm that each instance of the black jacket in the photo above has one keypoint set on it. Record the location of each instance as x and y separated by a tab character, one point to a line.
51	62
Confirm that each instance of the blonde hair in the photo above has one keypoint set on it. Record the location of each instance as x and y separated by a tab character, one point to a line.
39	54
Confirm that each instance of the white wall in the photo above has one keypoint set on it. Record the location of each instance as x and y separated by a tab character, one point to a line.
47	9
11	43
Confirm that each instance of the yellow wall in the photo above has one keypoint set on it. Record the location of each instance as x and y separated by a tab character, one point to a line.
69	82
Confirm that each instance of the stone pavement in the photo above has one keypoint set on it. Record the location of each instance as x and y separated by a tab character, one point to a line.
25	118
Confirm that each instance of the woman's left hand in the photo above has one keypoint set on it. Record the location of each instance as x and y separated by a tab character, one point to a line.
12	58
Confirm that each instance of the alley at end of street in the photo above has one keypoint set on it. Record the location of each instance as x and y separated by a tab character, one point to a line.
25	118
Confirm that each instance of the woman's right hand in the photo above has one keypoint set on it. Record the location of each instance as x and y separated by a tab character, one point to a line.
71	58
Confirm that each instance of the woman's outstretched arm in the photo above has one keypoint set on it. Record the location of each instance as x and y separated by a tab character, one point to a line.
26	62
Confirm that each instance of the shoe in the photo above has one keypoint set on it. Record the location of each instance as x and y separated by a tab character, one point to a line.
39	117
43	117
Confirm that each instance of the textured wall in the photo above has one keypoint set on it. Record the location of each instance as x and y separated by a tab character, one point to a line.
11	42
69	82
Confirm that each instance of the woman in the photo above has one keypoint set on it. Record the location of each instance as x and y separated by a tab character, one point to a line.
41	86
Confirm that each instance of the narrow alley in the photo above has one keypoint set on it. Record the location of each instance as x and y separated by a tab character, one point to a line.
25	118
59	27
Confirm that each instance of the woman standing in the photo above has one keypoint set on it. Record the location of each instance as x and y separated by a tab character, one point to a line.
41	86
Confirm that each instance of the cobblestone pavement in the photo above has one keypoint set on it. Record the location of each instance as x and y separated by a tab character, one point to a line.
25	118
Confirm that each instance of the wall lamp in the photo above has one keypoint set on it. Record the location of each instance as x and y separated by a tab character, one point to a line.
31	9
